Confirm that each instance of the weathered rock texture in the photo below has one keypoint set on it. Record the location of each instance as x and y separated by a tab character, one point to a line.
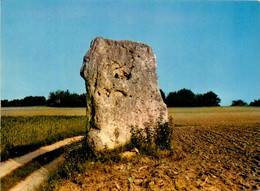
122	91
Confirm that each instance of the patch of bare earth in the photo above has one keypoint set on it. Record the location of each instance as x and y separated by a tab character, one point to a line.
219	155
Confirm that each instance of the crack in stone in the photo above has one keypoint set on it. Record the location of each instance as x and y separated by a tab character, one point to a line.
122	92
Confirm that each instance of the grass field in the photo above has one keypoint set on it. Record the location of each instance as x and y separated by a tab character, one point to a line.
22	134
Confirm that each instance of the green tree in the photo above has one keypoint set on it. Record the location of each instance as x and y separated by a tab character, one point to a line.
33	101
186	98
238	103
182	98
16	103
255	103
4	103
163	95
171	99
210	99
66	99
199	100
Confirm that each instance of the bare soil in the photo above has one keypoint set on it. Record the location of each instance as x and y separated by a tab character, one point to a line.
218	151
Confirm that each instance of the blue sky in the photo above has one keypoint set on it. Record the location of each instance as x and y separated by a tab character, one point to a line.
199	45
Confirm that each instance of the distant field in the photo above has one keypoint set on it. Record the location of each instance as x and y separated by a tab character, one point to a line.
223	109
36	111
175	112
215	115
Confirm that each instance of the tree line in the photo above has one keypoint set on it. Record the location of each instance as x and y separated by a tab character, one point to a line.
181	98
55	99
27	101
186	98
240	102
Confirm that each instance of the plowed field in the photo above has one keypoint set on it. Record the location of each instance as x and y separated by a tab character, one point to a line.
218	149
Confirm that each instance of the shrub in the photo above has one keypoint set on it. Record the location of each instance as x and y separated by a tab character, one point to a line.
163	138
151	141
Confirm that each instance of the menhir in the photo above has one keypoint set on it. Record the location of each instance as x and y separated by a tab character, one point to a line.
122	91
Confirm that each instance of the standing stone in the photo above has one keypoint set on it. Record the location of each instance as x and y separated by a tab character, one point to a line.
122	91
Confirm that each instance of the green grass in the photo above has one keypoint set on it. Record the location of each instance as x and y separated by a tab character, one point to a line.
22	134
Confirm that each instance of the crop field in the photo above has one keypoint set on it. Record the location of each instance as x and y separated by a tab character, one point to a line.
216	148
222	146
26	129
39	111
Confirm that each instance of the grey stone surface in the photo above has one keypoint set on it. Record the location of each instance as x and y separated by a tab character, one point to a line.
122	91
